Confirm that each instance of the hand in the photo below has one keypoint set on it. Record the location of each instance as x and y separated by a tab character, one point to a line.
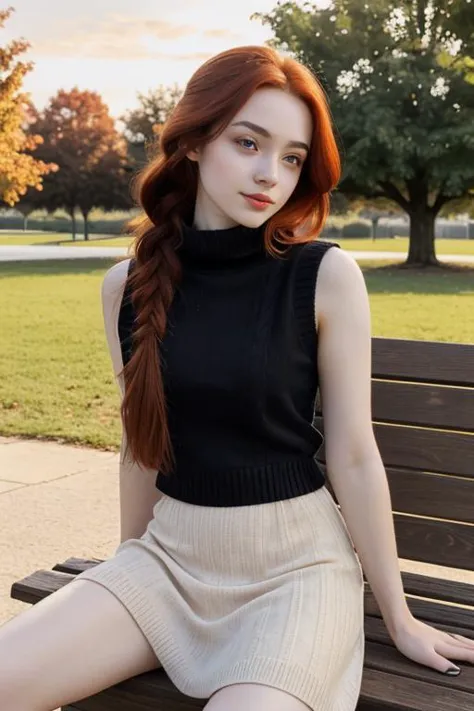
431	647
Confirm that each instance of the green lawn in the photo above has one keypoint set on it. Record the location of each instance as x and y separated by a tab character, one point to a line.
55	374
399	244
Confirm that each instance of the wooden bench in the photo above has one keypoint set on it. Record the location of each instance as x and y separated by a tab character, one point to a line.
423	412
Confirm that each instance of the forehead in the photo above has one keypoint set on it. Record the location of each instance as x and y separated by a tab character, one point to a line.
284	115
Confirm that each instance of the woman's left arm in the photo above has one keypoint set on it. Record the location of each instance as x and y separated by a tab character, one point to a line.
354	465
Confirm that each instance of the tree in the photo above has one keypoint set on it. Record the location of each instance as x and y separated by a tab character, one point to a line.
80	136
399	76
18	168
143	124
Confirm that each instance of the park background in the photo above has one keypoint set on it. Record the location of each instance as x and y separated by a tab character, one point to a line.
84	94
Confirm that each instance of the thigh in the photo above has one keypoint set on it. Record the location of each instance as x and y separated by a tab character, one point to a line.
253	697
74	643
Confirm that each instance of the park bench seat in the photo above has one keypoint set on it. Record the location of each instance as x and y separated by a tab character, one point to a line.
423	415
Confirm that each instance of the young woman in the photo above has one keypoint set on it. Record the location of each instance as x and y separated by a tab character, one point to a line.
236	571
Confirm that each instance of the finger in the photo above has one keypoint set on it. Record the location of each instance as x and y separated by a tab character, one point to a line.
459	641
453	651
443	665
462	640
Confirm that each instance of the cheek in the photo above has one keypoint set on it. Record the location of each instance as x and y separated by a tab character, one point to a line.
217	168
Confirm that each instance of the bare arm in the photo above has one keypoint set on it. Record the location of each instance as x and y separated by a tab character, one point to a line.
138	493
354	465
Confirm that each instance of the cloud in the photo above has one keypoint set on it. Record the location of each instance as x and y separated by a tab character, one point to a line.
126	38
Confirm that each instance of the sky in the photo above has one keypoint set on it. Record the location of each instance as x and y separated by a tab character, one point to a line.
121	47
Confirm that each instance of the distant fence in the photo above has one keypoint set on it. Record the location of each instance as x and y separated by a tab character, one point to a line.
447	229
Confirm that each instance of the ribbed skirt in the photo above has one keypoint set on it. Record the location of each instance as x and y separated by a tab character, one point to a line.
270	594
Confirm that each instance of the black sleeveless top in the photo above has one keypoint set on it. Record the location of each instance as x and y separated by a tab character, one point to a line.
240	369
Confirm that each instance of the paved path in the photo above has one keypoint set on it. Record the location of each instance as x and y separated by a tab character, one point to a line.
31	252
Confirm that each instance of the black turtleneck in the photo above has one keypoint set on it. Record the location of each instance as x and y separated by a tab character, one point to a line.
240	369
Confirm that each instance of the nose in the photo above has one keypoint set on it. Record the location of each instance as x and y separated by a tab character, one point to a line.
267	173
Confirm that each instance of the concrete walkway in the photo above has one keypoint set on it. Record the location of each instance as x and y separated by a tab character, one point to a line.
31	252
58	501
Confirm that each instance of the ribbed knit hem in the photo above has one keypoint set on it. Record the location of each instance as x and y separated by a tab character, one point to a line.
291	678
306	277
143	610
245	486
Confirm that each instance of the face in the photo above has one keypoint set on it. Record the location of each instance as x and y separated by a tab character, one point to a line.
261	151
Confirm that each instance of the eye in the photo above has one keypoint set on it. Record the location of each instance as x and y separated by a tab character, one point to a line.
240	141
299	160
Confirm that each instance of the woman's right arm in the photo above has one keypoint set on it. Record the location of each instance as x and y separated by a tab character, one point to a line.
138	492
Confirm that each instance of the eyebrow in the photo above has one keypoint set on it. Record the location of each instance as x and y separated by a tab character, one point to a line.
263	132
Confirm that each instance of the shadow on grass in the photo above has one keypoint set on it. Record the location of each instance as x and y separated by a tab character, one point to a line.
48	267
390	278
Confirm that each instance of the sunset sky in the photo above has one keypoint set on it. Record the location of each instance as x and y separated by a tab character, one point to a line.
121	47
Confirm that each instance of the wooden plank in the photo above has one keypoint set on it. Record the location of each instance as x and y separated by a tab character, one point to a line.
39	585
376	630
438	589
382	691
387	658
437	495
77	565
450	408
435	613
422	449
423	361
439	542
420	404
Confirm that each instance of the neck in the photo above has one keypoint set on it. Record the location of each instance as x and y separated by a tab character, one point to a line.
218	247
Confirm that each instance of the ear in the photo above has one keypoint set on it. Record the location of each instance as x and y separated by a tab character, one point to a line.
193	155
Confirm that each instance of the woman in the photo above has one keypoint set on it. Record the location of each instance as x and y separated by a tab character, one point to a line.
235	572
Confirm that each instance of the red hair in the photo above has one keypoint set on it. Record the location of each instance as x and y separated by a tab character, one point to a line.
166	190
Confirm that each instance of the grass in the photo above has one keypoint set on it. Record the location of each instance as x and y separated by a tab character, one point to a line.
55	372
399	244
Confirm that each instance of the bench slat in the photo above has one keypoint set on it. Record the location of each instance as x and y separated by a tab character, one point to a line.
381	690
376	630
420	404
434	613
423	449
423	361
387	658
438	542
437	495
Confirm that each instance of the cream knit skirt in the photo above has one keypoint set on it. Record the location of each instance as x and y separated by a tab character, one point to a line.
270	594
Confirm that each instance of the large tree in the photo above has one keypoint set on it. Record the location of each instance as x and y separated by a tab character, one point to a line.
80	136
18	168
143	124
399	76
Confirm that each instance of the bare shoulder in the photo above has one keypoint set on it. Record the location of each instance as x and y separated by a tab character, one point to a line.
113	286
113	283
340	285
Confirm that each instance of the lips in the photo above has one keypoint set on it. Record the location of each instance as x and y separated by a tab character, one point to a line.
261	197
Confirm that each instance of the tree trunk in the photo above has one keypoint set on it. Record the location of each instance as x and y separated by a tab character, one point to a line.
85	215
73	224
25	223
421	252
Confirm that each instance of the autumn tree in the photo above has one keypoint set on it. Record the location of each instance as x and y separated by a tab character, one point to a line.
399	76
18	168
143	124
80	136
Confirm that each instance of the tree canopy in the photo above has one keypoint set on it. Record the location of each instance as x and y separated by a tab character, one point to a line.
80	136
19	170
399	78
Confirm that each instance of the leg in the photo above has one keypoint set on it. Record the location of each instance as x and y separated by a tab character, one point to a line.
253	697
71	645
